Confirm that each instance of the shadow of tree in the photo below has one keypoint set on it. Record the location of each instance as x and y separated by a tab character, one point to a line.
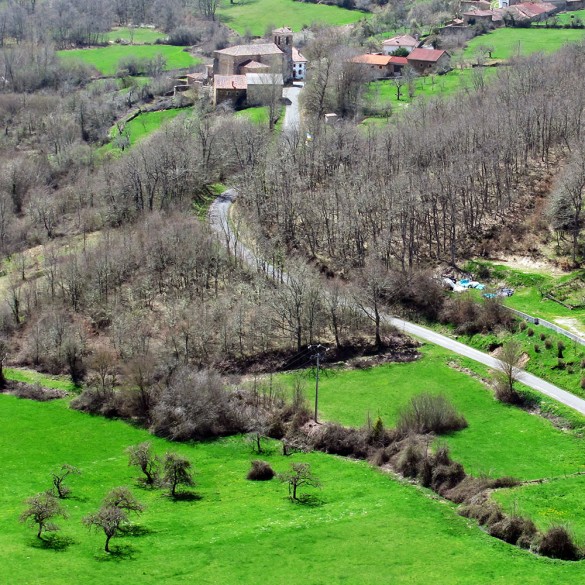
186	497
135	530
118	552
309	500
56	542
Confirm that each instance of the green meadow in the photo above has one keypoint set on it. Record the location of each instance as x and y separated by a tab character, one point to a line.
508	42
142	126
500	440
255	16
106	59
362	527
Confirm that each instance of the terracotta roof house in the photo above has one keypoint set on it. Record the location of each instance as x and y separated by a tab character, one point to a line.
532	11
229	88
407	42
472	17
425	61
380	66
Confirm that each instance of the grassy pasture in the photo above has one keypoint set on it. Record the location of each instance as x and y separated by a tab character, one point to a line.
33	377
138	36
367	527
254	16
556	502
142	126
508	42
500	440
106	59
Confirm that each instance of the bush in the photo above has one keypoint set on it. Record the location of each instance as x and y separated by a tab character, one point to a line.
560	349
522	326
487	513
536	348
260	471
339	440
514	529
35	392
507	395
183	36
446	477
558	544
429	413
409	460
548	343
530	332
542	337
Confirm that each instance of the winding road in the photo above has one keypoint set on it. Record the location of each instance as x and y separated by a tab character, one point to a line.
219	221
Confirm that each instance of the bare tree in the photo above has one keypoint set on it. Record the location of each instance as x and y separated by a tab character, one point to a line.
41	509
177	471
143	456
508	372
300	475
110	519
59	477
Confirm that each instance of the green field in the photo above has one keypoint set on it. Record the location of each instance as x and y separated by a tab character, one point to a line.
138	36
106	59
457	80
32	377
500	440
142	126
508	42
565	17
366	528
254	16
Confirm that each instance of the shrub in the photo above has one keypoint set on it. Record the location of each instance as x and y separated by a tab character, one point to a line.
429	413
339	440
582	383
530	332
582	363
409	460
183	36
560	364
512	529
558	544
507	395
560	349
522	326
380	457
542	337
487	513
536	348
36	392
260	471
548	344
446	477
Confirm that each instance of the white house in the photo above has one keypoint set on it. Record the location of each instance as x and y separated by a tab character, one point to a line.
299	65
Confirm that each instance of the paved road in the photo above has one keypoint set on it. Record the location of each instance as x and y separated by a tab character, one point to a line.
218	217
292	118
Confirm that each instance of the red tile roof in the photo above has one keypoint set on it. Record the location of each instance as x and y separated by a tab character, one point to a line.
372	59
532	9
230	82
399	60
430	55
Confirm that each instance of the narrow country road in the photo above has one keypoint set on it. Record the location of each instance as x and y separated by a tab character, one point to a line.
292	118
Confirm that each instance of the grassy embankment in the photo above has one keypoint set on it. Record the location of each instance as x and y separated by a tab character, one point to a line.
137	36
106	59
255	16
367	528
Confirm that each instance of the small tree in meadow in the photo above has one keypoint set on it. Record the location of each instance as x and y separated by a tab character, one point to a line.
143	456
59	476
177	471
300	475
41	509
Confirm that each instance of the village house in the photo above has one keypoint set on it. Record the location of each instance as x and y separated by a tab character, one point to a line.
425	61
380	66
406	42
299	65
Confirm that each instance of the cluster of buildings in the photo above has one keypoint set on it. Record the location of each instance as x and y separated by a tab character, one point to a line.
474	12
423	59
245	74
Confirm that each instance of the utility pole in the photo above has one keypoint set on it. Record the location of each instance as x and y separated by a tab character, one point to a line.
320	354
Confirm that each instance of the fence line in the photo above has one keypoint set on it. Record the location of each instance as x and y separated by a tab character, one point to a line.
548	325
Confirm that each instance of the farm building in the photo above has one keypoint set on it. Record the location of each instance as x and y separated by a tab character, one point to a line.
425	61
